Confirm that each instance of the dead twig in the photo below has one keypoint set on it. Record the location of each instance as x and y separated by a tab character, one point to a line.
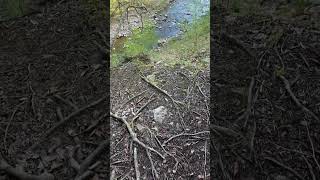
310	168
50	131
8	125
247	113
295	99
136	164
183	134
312	147
225	174
144	106
134	136
20	174
153	169
131	99
253	137
66	102
161	90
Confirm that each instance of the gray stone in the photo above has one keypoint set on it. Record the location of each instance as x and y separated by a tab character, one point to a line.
160	113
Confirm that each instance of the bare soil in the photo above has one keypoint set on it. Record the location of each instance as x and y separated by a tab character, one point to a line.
186	155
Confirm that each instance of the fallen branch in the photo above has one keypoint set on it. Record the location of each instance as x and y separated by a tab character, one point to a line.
20	174
183	134
175	102
295	99
161	90
134	136
247	113
153	169
136	164
50	131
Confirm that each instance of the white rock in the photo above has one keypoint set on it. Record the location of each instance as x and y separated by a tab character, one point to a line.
159	114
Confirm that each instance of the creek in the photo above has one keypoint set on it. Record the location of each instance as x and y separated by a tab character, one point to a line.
169	21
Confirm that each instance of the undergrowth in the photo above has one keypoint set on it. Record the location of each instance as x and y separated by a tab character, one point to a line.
191	50
140	42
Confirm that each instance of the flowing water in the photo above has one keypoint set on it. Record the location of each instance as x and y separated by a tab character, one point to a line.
169	21
179	12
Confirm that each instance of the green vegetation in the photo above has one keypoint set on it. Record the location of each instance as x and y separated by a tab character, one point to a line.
139	43
190	50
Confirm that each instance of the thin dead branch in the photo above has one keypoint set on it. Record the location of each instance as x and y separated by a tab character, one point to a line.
295	99
136	163
183	134
134	136
161	90
50	131
153	169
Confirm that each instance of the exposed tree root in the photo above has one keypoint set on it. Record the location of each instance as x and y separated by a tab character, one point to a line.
134	136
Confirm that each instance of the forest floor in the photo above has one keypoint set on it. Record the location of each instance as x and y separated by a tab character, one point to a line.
50	72
54	115
265	103
265	80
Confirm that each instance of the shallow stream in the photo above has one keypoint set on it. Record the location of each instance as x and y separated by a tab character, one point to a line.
169	21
